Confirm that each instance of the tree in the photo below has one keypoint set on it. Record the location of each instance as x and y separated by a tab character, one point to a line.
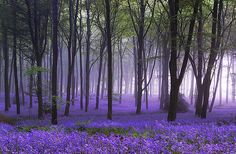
15	57
176	80
138	21
215	44
165	82
6	61
55	58
80	56
38	22
109	60
87	65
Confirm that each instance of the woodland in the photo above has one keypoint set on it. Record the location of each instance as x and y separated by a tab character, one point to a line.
118	76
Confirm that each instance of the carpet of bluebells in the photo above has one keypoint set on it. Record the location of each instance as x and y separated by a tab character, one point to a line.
159	137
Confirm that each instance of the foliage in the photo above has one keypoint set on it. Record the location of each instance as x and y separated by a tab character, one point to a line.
34	70
31	128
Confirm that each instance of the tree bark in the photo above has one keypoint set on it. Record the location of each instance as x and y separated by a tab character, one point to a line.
174	89
55	59
109	60
21	78
165	82
121	71
80	57
198	102
215	44
140	57
177	80
15	58
87	86
6	63
100	73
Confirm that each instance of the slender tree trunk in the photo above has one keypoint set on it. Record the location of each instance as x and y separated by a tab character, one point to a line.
198	102
21	79
49	94
55	59
215	44
109	60
191	93
103	79
174	89
74	50
100	73
61	67
145	66
165	84
140	57
6	61
218	79
70	59
39	89
15	59
31	85
227	85
87	56
11	85
233	78
73	88
38	60
135	70
77	77
121	72
80	57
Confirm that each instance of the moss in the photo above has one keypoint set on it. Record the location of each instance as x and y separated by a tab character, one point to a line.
30	128
106	131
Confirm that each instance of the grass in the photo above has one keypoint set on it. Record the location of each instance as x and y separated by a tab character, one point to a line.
30	128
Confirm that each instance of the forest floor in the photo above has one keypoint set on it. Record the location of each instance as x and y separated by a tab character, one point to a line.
148	132
122	113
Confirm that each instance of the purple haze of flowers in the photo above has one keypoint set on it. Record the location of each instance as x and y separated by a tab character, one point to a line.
162	137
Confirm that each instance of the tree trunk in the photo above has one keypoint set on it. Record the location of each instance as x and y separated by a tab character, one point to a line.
87	56
218	79
21	79
121	72
68	89
215	44
80	57
109	60
103	79
174	89
15	59
39	89
61	67
191	92
140	57
135	71
100	73
233	78
227	82
73	88
6	61
176	81
55	59
198	102
165	82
